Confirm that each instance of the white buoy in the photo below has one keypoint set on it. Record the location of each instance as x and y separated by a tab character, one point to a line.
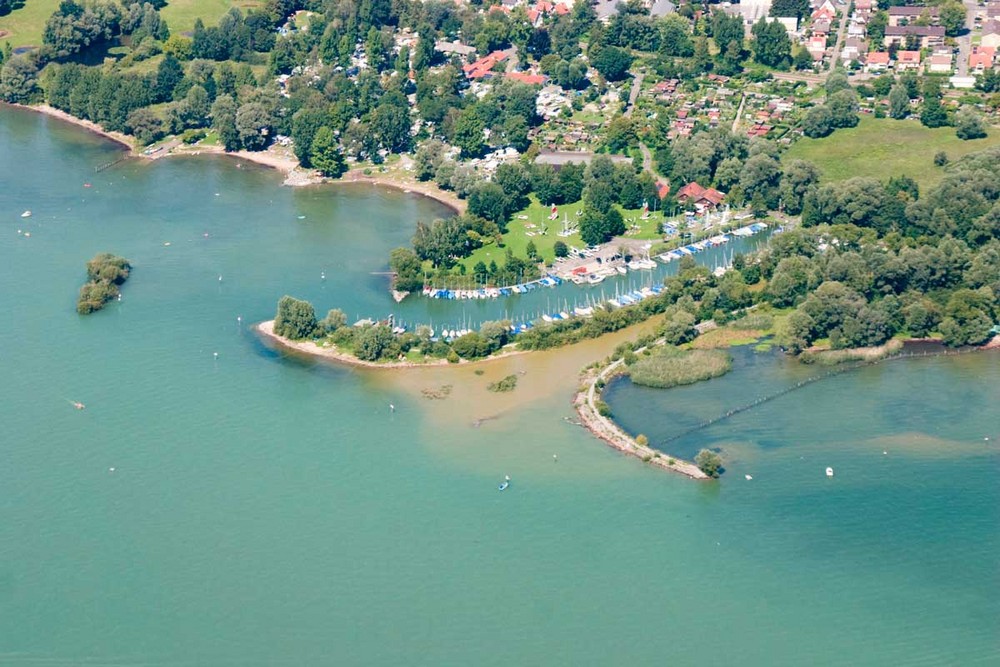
748	477
111	469
239	318
27	234
215	355
829	472
392	408
322	276
220	278
506	478
555	457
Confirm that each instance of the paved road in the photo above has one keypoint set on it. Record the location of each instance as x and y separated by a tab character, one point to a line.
844	20
739	113
647	158
965	41
634	93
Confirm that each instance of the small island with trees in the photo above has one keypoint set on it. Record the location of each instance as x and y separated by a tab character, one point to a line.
105	273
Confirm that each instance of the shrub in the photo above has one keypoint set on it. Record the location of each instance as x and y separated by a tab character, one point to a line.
504	385
669	367
642	440
105	272
709	463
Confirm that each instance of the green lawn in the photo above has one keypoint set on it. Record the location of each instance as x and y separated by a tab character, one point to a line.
883	147
536	219
25	25
181	14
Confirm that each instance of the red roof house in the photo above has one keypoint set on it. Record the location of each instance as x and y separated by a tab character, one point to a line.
702	197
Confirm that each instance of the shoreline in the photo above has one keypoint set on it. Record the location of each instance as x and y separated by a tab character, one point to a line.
266	331
281	159
122	140
605	429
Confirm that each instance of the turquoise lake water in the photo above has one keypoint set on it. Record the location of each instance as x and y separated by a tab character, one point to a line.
265	511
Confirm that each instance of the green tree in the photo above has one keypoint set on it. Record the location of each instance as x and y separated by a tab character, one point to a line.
19	80
951	14
253	123
796	8
818	122
560	249
144	125
376	342
612	62
969	124
467	133
675	37
224	122
932	114
899	102
489	201
709	463
771	45
407	267
335	319
295	319
326	155
168	74
843	107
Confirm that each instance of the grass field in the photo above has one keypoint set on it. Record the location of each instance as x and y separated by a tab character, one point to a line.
536	219
882	148
25	25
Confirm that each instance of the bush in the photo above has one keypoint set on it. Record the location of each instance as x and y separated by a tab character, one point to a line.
709	463
504	385
642	440
560	249
669	367
603	408
105	272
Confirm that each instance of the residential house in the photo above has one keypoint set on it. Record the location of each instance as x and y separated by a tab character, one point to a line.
527	77
826	10
454	48
981	58
939	64
703	198
900	16
660	8
991	33
864	7
816	46
877	61
907	60
853	48
926	35
821	28
483	68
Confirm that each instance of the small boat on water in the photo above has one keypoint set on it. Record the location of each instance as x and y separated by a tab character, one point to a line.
829	472
26	214
506	482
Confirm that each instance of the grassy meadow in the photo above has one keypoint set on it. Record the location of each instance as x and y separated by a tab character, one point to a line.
25	25
882	147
